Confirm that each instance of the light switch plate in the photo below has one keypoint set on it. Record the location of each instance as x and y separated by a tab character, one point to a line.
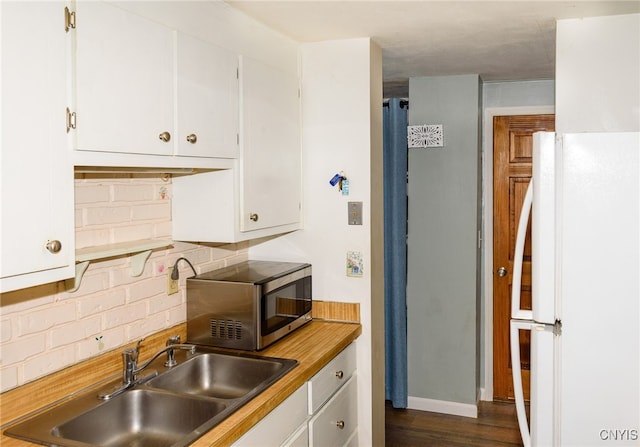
354	213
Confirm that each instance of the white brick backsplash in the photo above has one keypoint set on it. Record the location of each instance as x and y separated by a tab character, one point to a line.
96	304
207	267
92	282
76	331
17	351
46	328
5	330
77	218
148	288
41	320
92	237
163	302
177	315
89	193
51	361
123	276
107	215
124	315
199	256
133	193
162	229
8	378
110	340
149	325
161	210
26	299
132	232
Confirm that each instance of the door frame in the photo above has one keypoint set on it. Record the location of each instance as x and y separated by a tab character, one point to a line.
486	386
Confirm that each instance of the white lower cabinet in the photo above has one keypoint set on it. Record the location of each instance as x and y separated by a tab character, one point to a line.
333	402
330	415
300	438
275	428
337	421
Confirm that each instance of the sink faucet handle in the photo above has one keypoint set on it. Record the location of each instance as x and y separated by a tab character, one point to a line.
130	362
173	340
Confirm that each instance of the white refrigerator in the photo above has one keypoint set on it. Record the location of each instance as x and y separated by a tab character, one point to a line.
585	319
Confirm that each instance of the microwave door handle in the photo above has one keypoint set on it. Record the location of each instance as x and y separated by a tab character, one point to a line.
521	236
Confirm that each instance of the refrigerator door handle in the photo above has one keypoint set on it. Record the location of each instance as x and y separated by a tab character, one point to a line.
521	236
516	372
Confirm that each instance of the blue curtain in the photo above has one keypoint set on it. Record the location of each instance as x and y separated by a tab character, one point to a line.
395	250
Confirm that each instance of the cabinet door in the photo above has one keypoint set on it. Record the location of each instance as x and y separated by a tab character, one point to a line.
36	183
207	97
270	146
124	81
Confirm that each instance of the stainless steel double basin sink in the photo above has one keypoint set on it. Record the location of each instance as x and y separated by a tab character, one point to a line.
174	408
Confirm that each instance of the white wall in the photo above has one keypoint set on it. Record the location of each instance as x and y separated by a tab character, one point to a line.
336	114
597	74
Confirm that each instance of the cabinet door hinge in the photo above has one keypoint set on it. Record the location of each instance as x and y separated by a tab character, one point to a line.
69	19
71	120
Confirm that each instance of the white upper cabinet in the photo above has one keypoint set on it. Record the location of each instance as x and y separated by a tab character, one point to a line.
270	146
261	195
124	76
207	99
36	177
155	93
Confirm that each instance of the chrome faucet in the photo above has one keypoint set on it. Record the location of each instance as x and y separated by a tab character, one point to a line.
131	368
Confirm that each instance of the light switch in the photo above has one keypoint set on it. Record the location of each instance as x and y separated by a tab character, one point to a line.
355	213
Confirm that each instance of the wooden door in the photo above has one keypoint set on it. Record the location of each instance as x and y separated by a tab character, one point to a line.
512	155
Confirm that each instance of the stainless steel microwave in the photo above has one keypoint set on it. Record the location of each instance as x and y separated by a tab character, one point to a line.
249	305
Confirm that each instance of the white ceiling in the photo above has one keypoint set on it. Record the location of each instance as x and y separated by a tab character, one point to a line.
499	40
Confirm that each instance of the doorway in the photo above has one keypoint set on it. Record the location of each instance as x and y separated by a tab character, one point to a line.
512	156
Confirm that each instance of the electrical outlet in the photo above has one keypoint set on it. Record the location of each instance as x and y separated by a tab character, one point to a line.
172	284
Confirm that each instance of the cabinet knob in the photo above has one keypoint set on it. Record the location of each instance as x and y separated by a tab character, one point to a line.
254	217
192	138
339	374
165	136
340	425
502	272
54	246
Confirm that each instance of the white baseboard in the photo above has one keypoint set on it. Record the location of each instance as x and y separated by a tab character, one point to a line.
442	406
486	394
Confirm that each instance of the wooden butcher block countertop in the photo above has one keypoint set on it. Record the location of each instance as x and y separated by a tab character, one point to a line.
313	346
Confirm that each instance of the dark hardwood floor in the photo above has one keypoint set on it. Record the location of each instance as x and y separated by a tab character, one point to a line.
496	425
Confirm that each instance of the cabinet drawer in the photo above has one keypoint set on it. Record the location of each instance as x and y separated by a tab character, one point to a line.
278	425
336	422
299	439
331	377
